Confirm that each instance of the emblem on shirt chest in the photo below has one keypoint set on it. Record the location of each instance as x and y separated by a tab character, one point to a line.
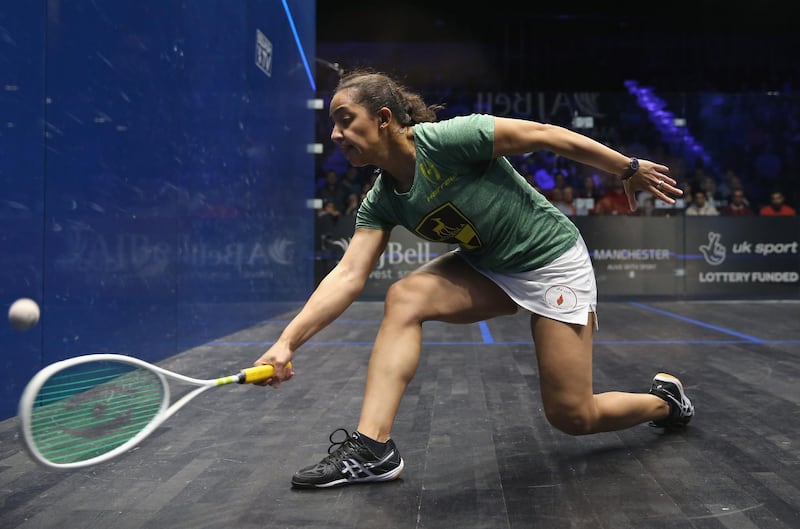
429	171
434	178
447	224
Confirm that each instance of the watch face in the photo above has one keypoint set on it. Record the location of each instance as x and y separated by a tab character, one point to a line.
634	164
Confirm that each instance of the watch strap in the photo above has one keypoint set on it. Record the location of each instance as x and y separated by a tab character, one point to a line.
631	170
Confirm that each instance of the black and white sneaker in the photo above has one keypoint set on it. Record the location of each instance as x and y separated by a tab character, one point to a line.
681	409
350	461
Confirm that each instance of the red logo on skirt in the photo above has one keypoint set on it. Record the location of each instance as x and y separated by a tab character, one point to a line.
561	297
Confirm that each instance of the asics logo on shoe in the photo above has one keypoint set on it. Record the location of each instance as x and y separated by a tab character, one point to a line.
685	407
354	469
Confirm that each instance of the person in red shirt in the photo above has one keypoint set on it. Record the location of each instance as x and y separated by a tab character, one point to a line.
614	201
777	206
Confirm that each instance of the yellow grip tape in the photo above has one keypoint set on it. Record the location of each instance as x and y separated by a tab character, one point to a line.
260	373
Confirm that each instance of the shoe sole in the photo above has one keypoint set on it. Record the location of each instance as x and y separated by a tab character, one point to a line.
666	377
388	476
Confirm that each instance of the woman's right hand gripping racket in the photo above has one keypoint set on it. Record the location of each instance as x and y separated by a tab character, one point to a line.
88	409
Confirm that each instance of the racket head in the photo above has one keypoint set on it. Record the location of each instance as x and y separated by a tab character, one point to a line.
88	409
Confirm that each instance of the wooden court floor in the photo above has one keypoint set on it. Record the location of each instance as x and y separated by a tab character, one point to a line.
479	452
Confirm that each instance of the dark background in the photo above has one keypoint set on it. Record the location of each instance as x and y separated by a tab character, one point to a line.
721	46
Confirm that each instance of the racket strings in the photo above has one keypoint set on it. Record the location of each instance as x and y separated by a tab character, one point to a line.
90	410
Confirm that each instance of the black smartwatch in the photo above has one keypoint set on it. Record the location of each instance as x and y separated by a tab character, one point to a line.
633	166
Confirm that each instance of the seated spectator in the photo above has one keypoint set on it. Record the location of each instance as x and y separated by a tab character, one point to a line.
560	180
352	180
564	200
589	188
738	206
729	184
709	186
614	201
646	206
353	201
777	206
333	195
701	206
353	185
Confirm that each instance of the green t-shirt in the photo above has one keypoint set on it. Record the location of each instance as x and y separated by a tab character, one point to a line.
461	195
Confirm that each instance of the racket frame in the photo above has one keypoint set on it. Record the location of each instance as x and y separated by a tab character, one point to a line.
28	400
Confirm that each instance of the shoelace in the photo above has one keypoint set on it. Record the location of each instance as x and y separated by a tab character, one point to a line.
337	449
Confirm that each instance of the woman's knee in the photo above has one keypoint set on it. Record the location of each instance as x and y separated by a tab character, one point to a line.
571	420
407	297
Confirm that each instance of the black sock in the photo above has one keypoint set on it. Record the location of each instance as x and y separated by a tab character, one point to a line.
376	447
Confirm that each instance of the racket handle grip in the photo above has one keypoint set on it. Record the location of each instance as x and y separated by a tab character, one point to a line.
252	375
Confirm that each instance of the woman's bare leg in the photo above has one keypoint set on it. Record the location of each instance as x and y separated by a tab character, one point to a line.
445	289
564	355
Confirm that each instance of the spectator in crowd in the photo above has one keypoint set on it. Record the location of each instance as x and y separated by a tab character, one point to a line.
587	194
333	196
697	174
701	206
352	186
730	182
777	206
564	199
613	201
352	180
560	180
709	186
738	206
646	206
353	201
589	188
